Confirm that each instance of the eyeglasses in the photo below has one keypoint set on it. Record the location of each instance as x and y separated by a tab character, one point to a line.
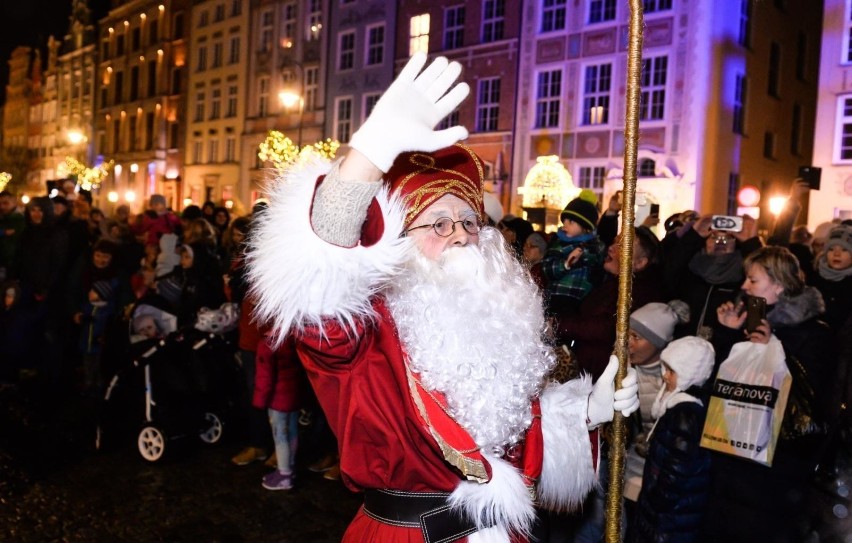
445	226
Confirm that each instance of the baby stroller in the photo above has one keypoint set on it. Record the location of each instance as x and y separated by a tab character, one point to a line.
176	384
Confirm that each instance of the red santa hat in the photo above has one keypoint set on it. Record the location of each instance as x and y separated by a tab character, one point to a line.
421	178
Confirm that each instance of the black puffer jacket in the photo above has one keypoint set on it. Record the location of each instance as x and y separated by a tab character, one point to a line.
676	481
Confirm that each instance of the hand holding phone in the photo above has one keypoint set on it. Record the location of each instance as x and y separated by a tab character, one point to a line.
755	313
812	175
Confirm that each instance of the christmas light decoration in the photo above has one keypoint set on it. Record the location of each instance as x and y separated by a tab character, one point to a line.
87	178
282	152
5	177
548	184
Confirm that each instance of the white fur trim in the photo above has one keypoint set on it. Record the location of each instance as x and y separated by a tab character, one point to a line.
504	501
298	278
568	473
495	534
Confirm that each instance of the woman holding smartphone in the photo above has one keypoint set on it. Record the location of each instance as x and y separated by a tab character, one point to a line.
755	502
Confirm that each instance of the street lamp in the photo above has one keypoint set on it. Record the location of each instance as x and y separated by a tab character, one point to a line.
289	99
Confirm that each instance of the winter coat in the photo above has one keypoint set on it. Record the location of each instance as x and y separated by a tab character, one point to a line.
750	501
676	480
837	296
702	297
14	222
42	256
592	327
576	282
279	380
153	226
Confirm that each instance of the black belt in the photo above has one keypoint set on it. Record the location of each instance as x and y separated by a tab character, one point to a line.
428	511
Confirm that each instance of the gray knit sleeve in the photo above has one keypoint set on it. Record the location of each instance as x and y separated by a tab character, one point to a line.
340	208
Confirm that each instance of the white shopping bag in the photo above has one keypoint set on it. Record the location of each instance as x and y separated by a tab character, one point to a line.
748	401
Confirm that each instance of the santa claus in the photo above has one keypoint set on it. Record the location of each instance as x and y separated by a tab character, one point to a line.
423	337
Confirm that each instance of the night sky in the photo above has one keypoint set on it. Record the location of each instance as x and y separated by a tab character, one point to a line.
30	22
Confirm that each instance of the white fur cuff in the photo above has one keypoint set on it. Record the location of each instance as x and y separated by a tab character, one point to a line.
568	473
300	279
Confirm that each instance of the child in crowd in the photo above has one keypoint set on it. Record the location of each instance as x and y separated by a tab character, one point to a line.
93	318
652	328
676	481
146	327
16	332
834	276
575	256
279	382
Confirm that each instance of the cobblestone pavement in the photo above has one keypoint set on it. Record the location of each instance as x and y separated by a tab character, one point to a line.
54	487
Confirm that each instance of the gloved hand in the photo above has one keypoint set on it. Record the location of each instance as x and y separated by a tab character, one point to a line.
405	116
604	400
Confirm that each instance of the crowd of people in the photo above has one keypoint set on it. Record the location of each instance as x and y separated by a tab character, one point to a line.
422	356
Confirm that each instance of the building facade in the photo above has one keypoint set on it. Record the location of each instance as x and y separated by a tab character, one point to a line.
218	59
484	38
142	85
286	80
833	128
728	94
16	115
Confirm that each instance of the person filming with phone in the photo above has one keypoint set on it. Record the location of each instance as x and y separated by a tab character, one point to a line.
766	502
703	266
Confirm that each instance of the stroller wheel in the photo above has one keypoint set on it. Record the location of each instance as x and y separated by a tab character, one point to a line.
151	443
213	433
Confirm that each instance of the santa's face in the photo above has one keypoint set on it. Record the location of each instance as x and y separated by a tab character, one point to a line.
430	244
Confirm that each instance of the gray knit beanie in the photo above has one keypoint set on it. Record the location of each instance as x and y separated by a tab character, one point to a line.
656	322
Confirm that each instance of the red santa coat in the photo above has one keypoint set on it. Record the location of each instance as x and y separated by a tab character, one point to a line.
279	379
393	434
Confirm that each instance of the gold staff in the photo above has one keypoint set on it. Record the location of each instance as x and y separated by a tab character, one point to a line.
625	276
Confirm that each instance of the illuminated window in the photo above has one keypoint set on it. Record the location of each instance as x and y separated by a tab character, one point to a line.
493	15
843	135
552	15
375	45
653	97
596	94
343	119
488	104
601	11
740	90
453	27
548	94
418	34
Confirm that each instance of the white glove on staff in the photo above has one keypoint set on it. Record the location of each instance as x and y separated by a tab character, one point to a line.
605	400
405	116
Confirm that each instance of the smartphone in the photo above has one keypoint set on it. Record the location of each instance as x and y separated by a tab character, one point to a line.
655	209
755	312
728	223
812	175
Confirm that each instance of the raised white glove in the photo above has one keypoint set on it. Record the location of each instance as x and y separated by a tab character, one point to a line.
405	116
604	400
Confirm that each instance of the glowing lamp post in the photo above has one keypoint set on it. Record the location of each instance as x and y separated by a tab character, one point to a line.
547	188
776	204
290	100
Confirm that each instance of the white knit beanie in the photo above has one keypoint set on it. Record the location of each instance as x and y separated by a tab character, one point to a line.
691	358
656	322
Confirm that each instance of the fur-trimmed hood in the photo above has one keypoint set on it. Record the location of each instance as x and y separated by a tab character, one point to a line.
790	311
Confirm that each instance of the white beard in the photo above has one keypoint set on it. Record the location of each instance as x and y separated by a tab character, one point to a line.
472	325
